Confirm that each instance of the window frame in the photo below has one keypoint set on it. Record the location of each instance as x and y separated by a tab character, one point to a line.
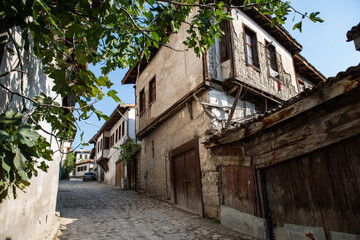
225	42
271	61
123	128
253	45
142	101
152	90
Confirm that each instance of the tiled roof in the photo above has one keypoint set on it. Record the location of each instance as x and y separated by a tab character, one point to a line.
86	161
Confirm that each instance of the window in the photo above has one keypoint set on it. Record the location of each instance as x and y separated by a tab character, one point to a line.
153	148
251	51
271	58
85	168
142	101
123	129
78	169
152	91
107	143
120	136
116	136
81	156
225	42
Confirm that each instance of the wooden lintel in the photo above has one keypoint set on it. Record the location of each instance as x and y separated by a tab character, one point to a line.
258	92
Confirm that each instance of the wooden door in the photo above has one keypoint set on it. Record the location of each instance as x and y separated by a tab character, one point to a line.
318	189
119	173
180	180
186	177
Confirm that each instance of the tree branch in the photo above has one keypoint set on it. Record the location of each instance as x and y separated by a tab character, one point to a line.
44	104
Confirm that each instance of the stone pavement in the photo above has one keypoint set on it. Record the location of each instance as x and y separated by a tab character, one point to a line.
91	210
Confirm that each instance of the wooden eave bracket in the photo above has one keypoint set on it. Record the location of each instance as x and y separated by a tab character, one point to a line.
233	106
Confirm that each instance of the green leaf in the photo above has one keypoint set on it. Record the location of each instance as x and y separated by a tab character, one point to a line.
298	26
112	94
27	135
4	134
19	160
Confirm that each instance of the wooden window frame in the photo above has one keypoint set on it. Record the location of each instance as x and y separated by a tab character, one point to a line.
152	91
225	42
142	101
123	129
106	143
116	136
253	45
271	62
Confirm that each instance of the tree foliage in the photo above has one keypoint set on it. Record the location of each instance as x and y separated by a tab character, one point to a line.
68	165
128	150
66	35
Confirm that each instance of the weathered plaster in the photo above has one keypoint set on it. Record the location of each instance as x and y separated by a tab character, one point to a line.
176	72
220	98
27	216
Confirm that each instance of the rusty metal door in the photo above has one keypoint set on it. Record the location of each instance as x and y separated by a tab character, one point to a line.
119	173
186	177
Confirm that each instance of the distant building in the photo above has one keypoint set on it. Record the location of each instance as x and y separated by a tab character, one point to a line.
83	167
83	163
107	141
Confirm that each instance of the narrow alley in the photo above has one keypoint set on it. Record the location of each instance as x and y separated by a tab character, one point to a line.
91	210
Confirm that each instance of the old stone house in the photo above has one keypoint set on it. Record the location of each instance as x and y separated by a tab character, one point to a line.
181	98
107	141
297	168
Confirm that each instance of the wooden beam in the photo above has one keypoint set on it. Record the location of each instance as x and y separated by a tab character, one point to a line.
233	106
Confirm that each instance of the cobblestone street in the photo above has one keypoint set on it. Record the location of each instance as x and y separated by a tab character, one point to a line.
90	210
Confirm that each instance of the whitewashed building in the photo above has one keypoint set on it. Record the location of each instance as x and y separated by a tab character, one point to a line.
107	141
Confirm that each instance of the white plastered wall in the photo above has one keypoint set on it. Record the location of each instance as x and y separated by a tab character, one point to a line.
27	216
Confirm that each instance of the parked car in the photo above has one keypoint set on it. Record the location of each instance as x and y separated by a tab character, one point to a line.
89	176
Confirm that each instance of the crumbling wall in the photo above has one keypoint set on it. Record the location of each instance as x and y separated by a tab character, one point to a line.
225	102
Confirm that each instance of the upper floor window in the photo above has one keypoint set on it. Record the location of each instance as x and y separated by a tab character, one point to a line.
251	51
152	91
123	128
271	58
116	136
107	143
119	132
142	101
225	42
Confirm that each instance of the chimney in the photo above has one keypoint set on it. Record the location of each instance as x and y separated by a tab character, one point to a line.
354	35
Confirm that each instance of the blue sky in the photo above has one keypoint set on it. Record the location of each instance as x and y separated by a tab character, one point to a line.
324	46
